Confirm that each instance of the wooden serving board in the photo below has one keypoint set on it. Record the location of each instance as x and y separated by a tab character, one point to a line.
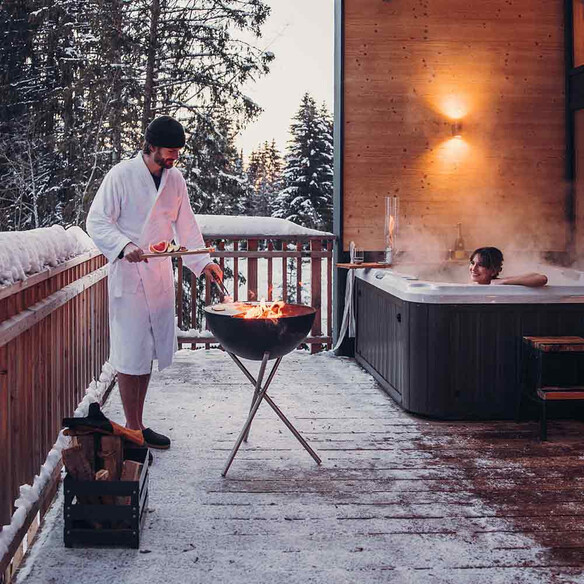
363	265
177	254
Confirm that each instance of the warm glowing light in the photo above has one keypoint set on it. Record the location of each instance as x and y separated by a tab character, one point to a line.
454	106
271	311
453	151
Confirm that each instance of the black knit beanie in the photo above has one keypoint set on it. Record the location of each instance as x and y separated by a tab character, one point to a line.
165	132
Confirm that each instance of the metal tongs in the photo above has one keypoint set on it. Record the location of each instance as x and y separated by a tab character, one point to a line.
221	287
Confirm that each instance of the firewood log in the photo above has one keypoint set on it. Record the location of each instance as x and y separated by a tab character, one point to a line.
77	464
104	475
87	443
131	471
79	469
112	456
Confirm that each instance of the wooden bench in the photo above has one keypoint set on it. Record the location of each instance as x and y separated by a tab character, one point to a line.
533	384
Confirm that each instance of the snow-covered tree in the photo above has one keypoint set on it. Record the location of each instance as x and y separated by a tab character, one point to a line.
307	195
84	78
214	171
265	174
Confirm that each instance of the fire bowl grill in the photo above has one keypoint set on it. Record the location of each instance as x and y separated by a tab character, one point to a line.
252	338
260	339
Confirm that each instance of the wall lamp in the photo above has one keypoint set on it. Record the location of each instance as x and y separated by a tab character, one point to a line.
456	129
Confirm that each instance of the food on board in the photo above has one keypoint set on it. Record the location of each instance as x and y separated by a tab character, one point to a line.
165	247
159	247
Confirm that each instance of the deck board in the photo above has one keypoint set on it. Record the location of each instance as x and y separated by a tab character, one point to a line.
397	498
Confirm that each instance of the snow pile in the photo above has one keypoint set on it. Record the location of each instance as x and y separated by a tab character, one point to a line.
194	333
23	253
221	225
29	494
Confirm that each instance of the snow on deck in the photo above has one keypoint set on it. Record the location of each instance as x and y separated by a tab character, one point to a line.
397	499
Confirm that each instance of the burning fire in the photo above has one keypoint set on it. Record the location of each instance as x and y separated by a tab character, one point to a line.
271	310
391	217
391	229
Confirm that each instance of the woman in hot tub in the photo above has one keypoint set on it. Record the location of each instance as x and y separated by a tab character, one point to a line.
486	264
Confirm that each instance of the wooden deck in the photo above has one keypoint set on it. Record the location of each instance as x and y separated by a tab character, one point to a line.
397	498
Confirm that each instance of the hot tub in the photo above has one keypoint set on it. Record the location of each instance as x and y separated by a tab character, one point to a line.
453	351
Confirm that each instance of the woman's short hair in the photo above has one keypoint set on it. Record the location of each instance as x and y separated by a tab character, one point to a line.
491	258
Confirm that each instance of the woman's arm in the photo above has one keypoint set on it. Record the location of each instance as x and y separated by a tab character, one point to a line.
533	280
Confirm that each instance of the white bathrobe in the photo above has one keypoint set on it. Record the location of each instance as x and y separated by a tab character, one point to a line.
128	208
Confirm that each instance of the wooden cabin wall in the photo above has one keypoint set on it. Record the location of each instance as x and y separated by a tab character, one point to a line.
578	36
413	66
578	18
579	184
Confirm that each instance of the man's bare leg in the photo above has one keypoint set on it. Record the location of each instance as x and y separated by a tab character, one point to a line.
133	390
133	393
144	382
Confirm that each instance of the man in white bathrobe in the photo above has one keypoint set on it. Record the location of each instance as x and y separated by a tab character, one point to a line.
142	201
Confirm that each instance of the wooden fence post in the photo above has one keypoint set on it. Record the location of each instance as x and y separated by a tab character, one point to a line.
179	295
270	272
235	272
284	272
207	296
315	291
252	271
6	442
329	293
299	273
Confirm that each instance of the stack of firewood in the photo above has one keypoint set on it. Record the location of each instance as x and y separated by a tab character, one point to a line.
98	457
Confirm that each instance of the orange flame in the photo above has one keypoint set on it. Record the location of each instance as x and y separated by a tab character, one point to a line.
391	229
262	310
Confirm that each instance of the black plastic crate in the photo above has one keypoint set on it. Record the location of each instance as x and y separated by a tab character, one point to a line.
106	524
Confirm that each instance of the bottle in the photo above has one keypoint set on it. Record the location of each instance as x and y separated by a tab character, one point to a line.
459	247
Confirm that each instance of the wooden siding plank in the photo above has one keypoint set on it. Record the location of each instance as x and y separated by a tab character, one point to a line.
401	63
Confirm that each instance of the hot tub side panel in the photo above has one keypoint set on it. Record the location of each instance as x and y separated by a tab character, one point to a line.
464	360
382	338
454	361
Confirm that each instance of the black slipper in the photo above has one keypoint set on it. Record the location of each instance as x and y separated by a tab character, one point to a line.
155	440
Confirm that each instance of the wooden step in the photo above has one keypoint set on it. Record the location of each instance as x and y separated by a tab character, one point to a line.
566	344
561	393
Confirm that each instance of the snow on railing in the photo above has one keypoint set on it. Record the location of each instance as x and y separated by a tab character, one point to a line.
23	253
243	227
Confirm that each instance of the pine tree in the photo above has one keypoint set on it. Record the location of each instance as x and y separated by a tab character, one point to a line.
214	171
79	79
265	174
307	195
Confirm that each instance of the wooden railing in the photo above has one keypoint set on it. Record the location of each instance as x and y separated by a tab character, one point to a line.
296	269
54	340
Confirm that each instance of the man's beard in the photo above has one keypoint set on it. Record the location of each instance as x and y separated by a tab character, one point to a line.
163	162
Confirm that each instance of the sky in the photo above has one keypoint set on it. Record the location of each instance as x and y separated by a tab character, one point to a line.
300	34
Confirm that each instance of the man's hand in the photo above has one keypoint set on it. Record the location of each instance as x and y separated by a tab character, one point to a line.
133	253
213	271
